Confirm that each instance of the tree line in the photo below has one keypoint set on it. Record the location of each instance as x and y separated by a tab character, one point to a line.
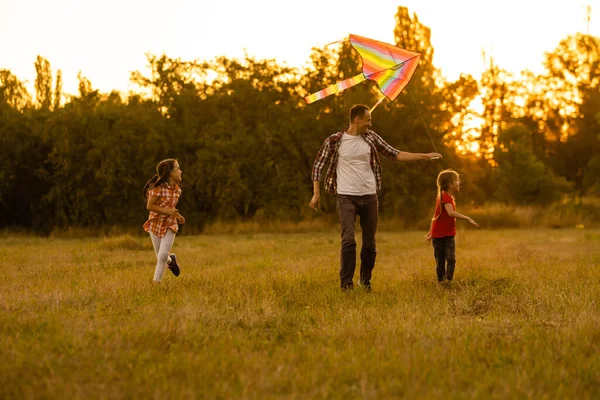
246	141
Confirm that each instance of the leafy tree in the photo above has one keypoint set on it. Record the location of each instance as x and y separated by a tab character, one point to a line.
13	93
57	91
23	154
574	74
246	140
520	177
43	83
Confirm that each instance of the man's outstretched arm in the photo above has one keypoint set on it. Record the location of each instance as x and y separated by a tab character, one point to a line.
397	155
405	156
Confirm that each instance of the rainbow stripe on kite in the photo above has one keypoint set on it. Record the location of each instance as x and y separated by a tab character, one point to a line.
335	88
389	66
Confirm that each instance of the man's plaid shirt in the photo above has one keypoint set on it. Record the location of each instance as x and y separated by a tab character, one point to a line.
329	151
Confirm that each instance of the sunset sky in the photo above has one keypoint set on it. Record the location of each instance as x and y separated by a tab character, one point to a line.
108	39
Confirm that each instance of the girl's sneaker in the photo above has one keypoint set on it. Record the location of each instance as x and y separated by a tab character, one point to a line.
174	267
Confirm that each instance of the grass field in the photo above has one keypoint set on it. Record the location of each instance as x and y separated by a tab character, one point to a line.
261	316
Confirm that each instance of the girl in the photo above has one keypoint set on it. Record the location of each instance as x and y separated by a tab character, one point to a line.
162	192
443	224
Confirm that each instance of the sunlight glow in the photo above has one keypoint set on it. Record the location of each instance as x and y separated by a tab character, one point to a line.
106	40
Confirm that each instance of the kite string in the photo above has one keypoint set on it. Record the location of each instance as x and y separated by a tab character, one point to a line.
427	129
376	104
336	42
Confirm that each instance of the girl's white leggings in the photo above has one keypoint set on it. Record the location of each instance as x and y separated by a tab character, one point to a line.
162	247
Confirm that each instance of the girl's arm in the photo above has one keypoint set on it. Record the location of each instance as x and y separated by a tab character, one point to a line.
455	214
151	206
428	235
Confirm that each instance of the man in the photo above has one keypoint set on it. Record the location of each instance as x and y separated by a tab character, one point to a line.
354	175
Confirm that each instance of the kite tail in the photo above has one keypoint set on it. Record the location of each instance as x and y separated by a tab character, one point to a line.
335	88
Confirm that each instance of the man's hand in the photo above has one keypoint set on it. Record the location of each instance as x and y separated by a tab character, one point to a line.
406	156
427	238
475	224
315	202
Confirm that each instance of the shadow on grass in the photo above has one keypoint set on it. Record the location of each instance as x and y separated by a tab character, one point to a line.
476	295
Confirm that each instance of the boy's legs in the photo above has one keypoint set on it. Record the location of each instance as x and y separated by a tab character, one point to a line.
450	254
440	257
347	214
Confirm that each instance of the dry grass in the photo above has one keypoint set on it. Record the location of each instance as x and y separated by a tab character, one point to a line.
564	214
261	316
270	226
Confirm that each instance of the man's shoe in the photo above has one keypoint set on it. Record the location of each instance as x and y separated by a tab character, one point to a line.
174	267
348	288
366	286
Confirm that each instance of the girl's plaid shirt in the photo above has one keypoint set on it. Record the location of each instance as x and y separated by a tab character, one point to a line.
158	223
330	150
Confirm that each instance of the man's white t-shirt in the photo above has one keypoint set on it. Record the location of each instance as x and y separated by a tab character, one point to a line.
354	173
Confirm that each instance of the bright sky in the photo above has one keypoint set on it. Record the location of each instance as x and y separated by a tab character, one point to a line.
108	39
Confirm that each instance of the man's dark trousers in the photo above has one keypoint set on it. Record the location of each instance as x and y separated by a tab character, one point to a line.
366	207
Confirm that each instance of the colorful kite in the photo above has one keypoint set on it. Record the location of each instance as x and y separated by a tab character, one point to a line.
390	66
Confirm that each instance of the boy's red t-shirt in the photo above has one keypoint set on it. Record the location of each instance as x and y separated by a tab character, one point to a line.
444	225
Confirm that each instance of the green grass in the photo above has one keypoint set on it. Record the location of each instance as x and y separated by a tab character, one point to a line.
261	316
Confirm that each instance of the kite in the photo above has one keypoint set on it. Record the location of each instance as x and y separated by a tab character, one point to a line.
389	66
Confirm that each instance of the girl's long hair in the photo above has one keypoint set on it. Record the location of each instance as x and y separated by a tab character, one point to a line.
163	171
444	180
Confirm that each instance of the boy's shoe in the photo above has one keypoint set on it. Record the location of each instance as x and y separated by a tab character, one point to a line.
174	267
